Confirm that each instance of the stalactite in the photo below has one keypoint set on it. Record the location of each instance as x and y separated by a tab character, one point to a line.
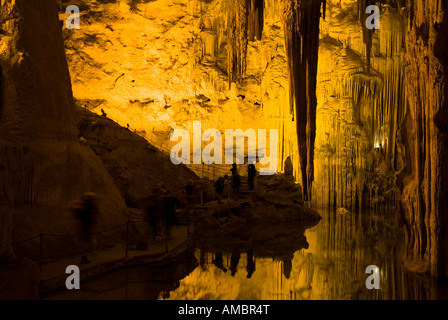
358	114
237	26
301	24
255	19
367	34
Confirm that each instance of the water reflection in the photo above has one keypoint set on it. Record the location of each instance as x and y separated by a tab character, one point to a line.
329	263
137	283
283	261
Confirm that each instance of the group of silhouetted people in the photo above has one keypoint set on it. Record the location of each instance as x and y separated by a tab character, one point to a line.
235	181
161	205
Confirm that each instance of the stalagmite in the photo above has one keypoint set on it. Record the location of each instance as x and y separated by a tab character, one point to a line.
301	25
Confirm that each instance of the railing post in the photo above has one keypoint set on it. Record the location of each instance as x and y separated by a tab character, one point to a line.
188	221
41	251
127	238
166	244
228	192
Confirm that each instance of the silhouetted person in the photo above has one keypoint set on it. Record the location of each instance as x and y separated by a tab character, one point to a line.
86	210
287	267
103	114
219	187
251	173
250	267
236	184
234	260
234	169
219	261
289	170
183	199
155	209
169	217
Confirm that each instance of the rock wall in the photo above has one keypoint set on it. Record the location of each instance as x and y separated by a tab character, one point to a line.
361	101
423	208
177	57
44	167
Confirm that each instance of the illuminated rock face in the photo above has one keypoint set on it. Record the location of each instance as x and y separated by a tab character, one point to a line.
360	106
44	167
160	65
424	199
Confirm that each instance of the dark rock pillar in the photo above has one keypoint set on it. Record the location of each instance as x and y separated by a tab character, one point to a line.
301	20
42	163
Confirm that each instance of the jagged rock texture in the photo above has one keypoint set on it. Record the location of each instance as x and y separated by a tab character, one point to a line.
424	200
358	110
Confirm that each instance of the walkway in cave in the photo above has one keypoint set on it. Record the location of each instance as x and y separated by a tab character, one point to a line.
105	260
161	250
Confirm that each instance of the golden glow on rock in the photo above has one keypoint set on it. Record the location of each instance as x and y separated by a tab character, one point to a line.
161	65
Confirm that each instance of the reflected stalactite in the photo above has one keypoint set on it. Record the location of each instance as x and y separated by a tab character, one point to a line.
301	20
332	267
343	245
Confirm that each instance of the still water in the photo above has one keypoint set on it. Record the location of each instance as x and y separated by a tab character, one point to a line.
289	261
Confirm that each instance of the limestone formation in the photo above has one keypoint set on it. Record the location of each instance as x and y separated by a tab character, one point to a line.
301	24
46	166
423	209
362	115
